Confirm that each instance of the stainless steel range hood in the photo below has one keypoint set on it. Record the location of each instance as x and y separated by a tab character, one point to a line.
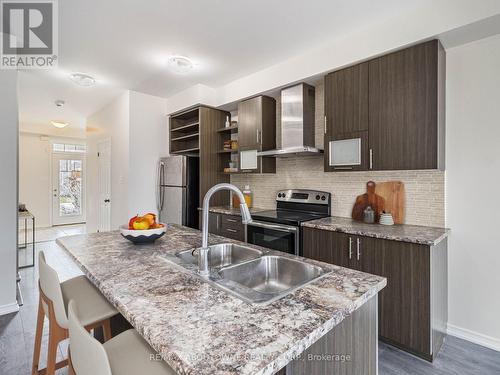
297	123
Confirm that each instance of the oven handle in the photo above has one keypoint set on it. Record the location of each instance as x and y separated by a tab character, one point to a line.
282	228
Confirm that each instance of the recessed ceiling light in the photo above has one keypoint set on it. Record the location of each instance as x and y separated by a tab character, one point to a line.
180	64
82	79
59	124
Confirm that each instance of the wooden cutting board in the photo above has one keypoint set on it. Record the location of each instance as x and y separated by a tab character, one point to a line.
370	198
393	193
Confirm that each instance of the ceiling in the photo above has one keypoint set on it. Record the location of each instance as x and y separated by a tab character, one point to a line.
125	44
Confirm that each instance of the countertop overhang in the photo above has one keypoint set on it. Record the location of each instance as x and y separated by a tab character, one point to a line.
199	329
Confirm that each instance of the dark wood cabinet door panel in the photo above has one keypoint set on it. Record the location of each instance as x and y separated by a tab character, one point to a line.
232	227
404	304
346	100
326	246
249	123
210	164
403	108
233	233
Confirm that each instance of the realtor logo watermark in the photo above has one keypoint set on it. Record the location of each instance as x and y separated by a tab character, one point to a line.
29	34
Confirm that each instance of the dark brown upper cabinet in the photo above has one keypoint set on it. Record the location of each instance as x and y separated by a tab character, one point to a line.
257	130
346	106
257	124
346	115
406	115
394	106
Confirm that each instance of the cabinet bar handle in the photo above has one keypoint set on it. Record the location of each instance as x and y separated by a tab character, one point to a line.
358	242
231	220
350	248
325	124
231	230
371	158
218	220
258	136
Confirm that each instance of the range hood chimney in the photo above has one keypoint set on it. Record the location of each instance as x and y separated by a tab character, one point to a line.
297	123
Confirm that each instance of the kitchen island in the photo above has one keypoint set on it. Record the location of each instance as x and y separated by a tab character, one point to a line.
199	329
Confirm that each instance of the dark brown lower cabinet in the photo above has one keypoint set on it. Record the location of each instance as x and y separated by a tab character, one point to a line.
228	226
350	348
413	305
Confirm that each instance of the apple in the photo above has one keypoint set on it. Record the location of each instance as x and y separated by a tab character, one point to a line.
151	218
131	222
141	223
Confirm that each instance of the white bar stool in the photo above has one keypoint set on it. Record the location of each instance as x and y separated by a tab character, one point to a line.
125	354
53	301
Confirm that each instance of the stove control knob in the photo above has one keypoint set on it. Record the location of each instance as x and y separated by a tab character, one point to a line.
280	195
323	198
317	197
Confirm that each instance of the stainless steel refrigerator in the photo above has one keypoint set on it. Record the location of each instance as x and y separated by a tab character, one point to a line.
178	190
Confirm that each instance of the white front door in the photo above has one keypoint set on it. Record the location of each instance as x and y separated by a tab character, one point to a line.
104	183
68	188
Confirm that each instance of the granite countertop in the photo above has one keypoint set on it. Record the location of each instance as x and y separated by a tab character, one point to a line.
406	233
228	210
199	329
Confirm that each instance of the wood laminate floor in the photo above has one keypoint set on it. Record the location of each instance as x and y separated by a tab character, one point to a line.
457	357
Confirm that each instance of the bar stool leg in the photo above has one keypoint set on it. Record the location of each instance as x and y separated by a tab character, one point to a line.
106	329
52	350
38	338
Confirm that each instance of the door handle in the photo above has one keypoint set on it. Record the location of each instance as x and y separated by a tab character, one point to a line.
350	248
358	242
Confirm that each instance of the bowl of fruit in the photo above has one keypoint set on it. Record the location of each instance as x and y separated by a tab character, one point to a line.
143	229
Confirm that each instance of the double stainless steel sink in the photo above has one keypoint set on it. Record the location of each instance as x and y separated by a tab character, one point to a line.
222	255
253	275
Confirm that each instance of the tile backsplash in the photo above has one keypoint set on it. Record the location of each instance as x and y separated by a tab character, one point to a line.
424	188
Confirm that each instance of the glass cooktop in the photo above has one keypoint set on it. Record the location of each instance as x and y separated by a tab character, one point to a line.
288	217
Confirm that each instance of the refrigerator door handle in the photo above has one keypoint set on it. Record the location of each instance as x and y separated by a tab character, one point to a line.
160	193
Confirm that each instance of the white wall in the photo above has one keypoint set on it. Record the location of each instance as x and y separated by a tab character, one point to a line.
8	190
136	124
472	181
113	123
34	176
148	141
426	21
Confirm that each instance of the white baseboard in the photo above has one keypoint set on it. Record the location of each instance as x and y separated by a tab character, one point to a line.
475	337
8	309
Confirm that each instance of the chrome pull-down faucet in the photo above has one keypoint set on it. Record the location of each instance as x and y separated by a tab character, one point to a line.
246	218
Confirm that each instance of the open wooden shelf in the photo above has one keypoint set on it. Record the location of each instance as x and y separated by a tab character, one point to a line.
191	150
183	137
231	129
185	127
227	151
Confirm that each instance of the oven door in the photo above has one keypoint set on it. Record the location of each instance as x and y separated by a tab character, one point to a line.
274	236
